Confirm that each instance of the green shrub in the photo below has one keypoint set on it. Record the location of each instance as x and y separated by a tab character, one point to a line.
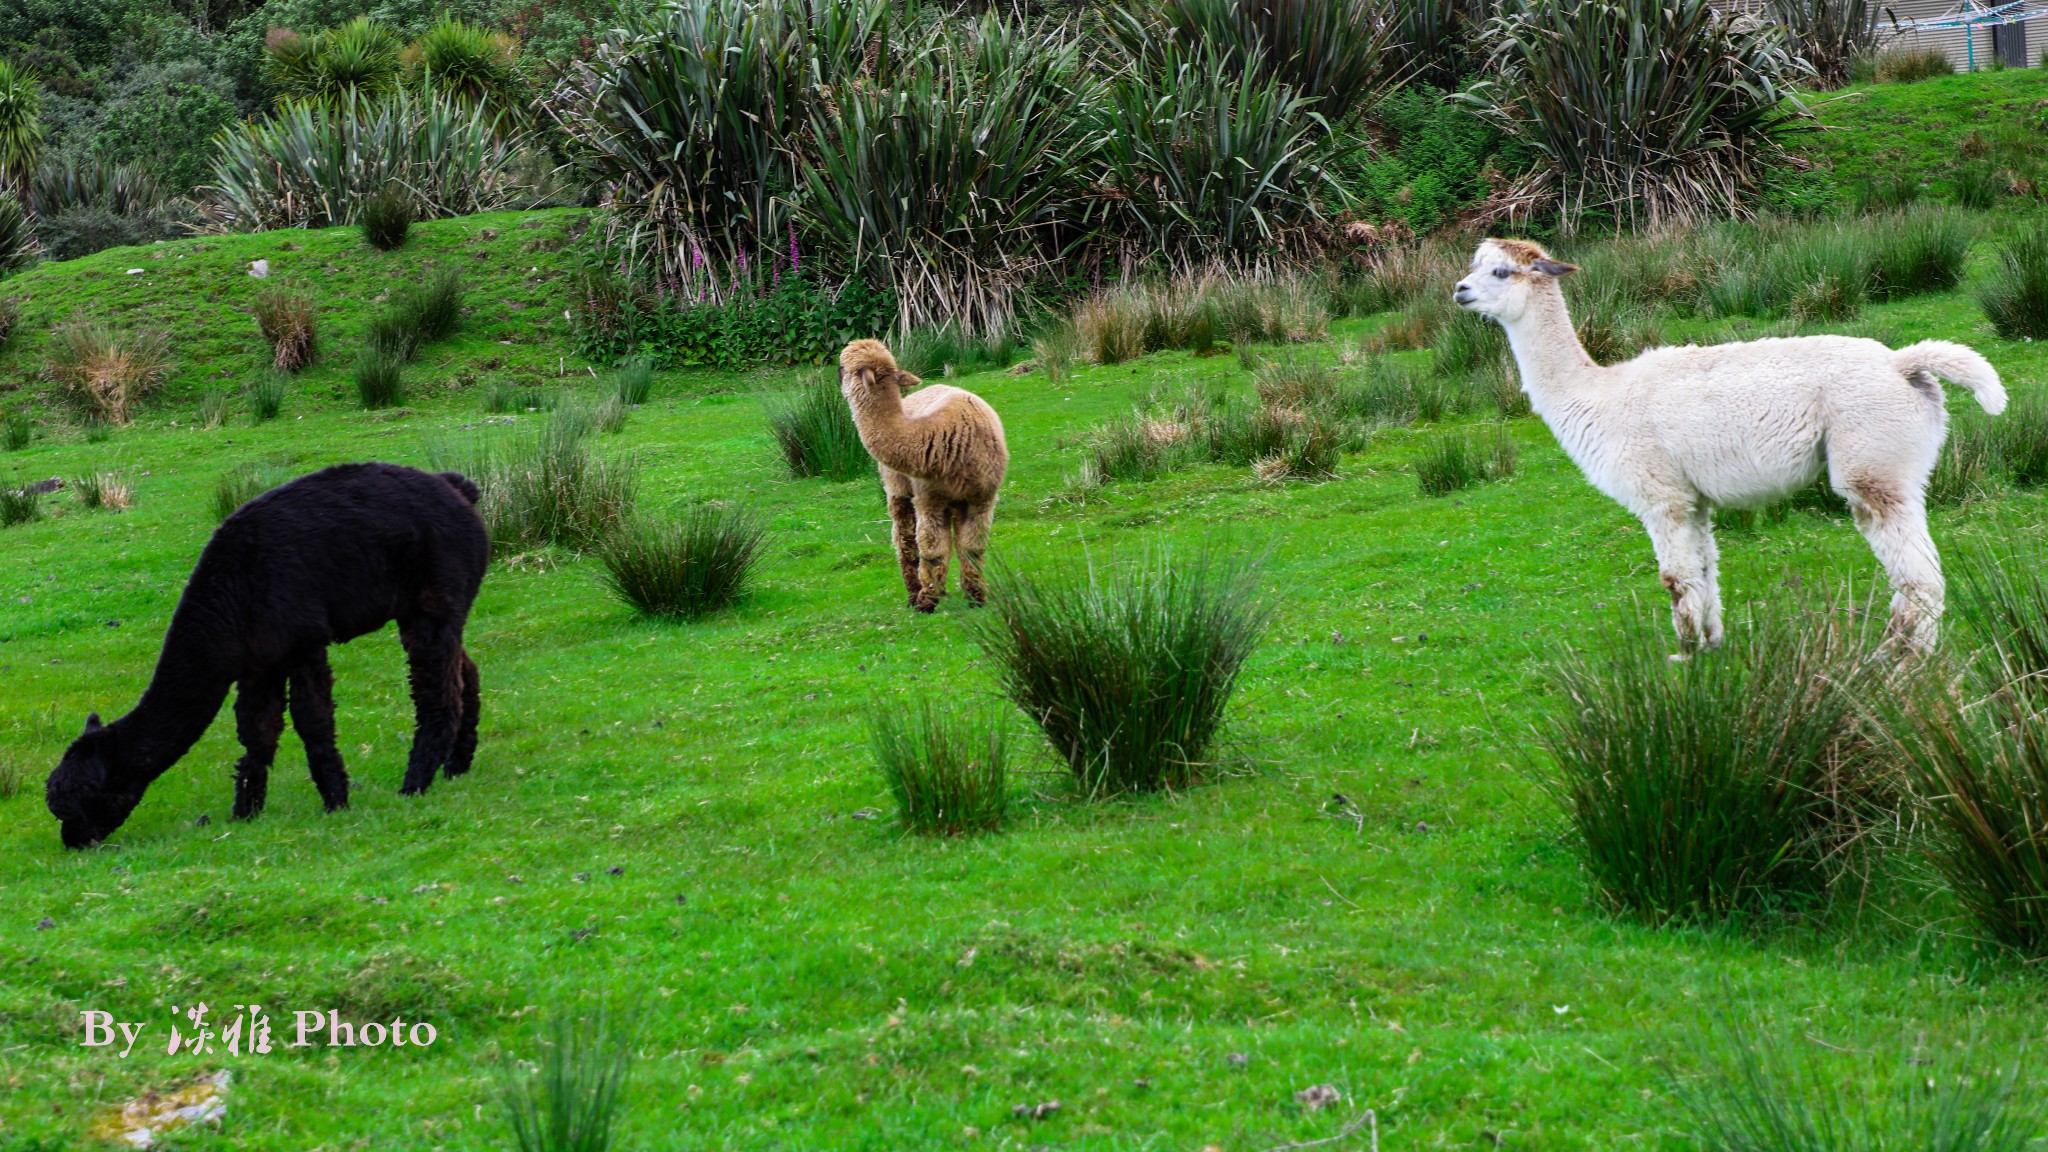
285	317
1699	789
266	397
2015	297
633	380
790	319
19	506
544	486
357	58
1829	34
1336	52
16	430
243	483
472	64
687	567
816	432
1128	672
1762	1093
946	767
1908	63
379	377
1456	460
576	1092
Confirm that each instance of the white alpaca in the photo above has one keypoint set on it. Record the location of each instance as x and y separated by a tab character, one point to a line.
1677	432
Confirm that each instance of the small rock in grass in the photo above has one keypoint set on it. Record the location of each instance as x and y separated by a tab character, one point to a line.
1316	1096
1035	1111
259	269
45	924
615	870
134	272
1237	1060
866	813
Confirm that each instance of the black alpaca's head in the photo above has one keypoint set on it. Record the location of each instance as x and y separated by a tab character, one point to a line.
80	792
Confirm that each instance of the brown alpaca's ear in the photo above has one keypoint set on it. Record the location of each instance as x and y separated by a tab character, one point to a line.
1549	267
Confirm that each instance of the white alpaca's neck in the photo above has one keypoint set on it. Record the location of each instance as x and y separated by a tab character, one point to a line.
1563	383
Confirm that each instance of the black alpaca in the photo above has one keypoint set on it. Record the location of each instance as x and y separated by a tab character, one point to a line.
322	560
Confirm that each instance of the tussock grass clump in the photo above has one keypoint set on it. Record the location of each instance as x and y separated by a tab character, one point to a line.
1127	672
1056	349
213	409
1311	451
610	415
1760	1092
1458	460
545	486
108	491
817	435
1467	343
1110	328
1966	462
948	768
950	350
576	1092
500	396
12	776
2015	296
386	218
418	315
1909	63
633	380
1139	446
285	317
2020	436
16	430
19	506
683	568
106	373
266	397
1918	252
379	378
243	483
1701	789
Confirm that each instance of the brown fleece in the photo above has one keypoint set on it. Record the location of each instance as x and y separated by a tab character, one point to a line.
941	454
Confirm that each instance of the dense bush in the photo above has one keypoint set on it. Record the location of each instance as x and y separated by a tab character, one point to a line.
1828	34
1434	161
1908	63
1334	52
1650	112
21	123
357	59
83	206
685	567
947	768
1702	788
468	62
816	432
792	319
1126	672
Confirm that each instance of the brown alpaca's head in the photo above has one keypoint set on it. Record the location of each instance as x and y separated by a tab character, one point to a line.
81	793
865	366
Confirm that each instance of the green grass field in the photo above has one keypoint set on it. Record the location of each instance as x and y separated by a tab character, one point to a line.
685	820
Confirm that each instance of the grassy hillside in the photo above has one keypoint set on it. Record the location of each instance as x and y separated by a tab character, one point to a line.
677	818
1878	131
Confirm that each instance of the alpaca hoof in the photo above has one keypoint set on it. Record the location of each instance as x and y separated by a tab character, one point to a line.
925	606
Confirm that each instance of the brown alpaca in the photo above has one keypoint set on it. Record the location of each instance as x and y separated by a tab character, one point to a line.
942	457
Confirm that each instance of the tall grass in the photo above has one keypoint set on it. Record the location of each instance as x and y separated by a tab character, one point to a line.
19	506
817	435
947	767
266	397
1456	460
1197	312
386	217
285	317
633	380
2020	437
379	377
105	372
1918	252
16	430
2015	296
245	482
543	485
1701	789
1127	672
576	1092
951	350
1056	349
685	567
213	409
1910	63
108	491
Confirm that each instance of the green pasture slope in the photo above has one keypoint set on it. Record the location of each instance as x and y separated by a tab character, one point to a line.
1172	970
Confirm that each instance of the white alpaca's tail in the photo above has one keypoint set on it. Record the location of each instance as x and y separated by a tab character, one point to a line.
1957	363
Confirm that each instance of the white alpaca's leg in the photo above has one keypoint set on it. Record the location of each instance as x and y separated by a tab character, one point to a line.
1710	557
1895	524
1685	565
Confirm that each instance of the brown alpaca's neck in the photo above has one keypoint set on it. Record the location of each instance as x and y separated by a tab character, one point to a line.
884	429
1546	346
184	695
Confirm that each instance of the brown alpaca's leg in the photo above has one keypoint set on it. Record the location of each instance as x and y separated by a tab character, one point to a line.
434	651
971	538
259	721
465	735
313	719
933	542
903	510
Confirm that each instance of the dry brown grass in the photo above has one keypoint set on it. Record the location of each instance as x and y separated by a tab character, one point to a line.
105	372
286	320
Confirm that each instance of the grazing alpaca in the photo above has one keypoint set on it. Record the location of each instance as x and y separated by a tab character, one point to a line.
322	560
1677	432
942	457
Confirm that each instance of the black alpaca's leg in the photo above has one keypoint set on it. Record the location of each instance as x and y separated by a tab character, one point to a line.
434	655
259	721
312	706
465	735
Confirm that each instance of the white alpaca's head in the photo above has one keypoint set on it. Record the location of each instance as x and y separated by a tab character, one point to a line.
1504	275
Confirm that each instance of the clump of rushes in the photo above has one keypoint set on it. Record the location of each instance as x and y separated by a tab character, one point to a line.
1127	673
633	380
576	1092
2015	297
213	409
19	506
815	430
379	377
1057	348
683	568
418	315
1467	343
1701	790
1965	464
946	767
285	317
609	416
266	397
1457	460
1313	448
506	396
17	430
1759	1093
386	218
2021	439
547	487
103	491
243	483
1918	252
105	372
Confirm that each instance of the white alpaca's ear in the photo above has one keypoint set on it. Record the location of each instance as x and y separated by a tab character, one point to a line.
1549	267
